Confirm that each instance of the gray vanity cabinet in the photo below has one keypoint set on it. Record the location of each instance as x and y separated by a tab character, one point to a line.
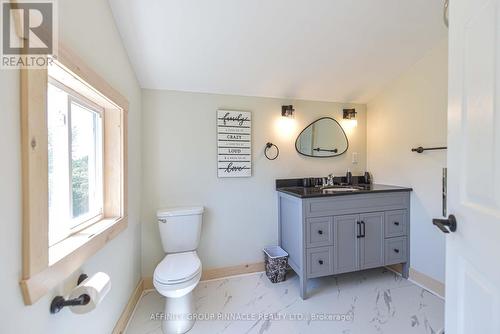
339	234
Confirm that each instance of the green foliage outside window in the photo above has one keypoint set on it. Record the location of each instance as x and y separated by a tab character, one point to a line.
80	178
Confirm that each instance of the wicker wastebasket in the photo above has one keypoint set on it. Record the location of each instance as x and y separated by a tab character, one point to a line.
276	260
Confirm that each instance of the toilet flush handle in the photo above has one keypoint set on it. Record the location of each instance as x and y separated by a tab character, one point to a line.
162	220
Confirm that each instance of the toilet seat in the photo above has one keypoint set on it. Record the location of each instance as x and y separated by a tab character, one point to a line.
177	274
178	268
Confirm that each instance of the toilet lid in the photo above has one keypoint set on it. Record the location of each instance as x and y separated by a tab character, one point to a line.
177	268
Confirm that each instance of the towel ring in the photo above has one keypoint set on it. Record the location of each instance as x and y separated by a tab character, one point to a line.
268	146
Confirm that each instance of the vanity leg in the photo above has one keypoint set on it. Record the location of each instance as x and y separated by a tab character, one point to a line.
303	287
406	270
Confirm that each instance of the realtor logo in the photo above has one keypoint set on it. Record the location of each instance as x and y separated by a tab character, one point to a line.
28	33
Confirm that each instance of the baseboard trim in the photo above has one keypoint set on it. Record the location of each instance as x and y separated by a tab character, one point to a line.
215	273
122	322
148	283
232	271
426	282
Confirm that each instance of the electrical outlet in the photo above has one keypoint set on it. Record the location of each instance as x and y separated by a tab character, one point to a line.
354	158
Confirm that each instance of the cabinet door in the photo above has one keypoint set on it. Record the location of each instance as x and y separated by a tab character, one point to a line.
372	241
346	243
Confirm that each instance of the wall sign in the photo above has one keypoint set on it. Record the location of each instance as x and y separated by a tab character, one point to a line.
234	143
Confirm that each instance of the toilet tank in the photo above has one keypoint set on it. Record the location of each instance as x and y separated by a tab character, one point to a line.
180	228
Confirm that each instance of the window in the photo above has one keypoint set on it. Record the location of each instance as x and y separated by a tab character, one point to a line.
74	170
75	161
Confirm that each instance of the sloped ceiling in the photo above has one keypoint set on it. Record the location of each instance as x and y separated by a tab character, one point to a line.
328	50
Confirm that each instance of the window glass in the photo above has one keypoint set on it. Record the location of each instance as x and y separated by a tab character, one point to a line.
84	160
75	162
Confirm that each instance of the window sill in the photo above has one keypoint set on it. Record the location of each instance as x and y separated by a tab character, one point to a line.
65	247
69	255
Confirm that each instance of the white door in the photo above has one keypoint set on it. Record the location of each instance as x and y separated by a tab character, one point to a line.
473	251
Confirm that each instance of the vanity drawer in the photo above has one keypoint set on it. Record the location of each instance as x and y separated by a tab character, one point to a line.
319	261
395	250
395	223
319	232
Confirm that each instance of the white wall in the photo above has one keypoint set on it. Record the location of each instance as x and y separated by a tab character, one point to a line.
412	112
179	159
86	27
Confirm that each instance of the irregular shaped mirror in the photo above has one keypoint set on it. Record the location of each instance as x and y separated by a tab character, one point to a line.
322	139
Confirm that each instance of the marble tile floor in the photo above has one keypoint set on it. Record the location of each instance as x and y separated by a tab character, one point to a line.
371	301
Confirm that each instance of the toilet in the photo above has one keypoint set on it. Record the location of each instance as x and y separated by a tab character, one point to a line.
179	272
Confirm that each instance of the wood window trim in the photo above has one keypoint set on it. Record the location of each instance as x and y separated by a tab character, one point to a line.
38	277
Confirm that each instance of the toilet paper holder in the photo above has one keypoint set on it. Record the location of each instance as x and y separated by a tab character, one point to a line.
59	302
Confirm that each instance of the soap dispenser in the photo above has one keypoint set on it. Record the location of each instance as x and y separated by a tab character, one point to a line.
348	177
368	178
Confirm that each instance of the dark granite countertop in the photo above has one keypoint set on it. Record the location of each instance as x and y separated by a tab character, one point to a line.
310	192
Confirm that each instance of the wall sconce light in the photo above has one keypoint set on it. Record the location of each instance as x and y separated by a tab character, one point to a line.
349	118
287	111
286	123
350	113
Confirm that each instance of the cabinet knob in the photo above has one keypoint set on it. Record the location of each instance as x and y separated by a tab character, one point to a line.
396	250
320	232
396	223
320	262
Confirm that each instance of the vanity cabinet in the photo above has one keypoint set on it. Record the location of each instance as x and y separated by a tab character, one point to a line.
338	234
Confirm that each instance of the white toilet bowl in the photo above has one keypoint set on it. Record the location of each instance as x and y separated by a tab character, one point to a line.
175	277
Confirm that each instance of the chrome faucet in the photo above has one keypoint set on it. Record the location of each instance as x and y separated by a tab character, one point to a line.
329	180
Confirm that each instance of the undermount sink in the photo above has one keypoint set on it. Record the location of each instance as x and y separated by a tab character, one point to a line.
339	189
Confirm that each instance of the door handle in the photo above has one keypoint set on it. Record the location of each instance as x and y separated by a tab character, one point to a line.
363	229
359	230
446	225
